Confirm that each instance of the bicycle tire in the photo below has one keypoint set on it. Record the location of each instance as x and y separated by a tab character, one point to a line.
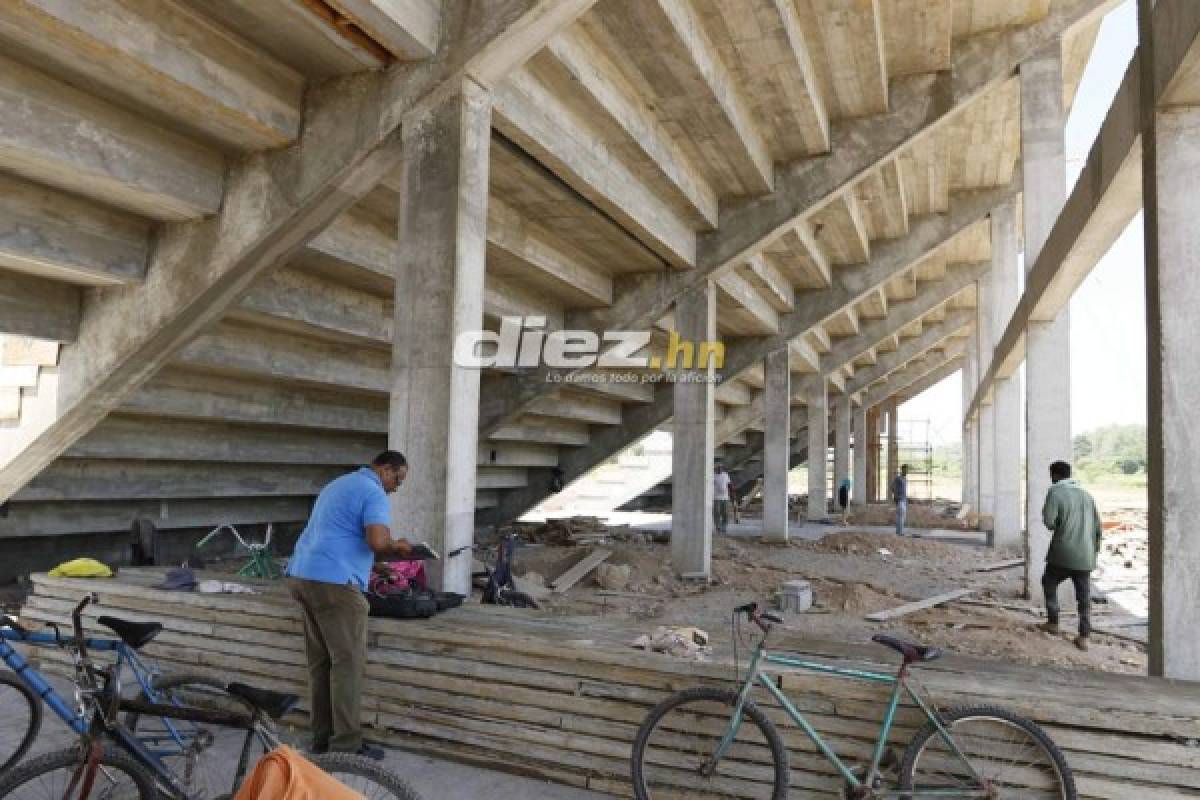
956	720
215	776
139	782
12	755
361	773
740	774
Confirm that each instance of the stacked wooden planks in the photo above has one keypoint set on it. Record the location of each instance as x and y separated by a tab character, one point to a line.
562	698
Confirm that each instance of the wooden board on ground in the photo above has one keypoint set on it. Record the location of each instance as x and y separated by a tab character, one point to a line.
998	565
919	605
576	573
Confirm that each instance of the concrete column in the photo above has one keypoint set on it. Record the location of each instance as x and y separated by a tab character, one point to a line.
693	439
1171	173
439	294
858	495
841	439
987	413
970	434
893	445
1007	518
818	446
872	454
1047	344
777	445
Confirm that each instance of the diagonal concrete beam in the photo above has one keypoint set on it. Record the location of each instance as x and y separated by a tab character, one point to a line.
889	259
916	370
932	379
938	335
1105	198
273	204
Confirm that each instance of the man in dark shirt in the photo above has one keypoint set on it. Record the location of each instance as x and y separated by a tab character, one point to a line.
900	495
1070	512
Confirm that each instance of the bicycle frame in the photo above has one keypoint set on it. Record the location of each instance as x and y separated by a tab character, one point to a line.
143	749
899	684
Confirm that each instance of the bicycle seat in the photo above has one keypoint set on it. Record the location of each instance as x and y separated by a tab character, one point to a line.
273	704
910	650
135	634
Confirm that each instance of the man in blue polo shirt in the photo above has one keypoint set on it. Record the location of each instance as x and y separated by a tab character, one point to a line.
327	574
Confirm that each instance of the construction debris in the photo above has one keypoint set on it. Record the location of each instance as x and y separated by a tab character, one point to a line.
998	565
681	642
613	577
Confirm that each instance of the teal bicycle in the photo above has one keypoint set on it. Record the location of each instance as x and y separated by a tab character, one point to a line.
709	742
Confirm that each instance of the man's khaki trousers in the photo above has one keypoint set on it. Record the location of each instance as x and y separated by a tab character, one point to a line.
335	642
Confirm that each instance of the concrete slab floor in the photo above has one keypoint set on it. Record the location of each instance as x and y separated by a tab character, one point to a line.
433	778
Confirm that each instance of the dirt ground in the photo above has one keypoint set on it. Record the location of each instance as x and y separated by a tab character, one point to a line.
854	573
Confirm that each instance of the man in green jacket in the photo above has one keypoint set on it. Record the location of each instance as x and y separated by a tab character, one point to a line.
1071	514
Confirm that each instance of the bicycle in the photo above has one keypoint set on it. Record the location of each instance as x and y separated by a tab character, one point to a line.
153	764
496	579
261	563
696	741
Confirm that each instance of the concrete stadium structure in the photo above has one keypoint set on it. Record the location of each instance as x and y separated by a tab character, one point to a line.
238	241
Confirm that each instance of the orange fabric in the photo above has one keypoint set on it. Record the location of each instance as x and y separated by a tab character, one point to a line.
284	774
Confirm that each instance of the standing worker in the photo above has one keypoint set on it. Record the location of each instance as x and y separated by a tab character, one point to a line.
900	495
327	575
843	497
723	494
1070	512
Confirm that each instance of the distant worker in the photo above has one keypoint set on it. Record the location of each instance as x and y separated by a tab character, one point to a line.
327	575
1070	512
723	494
843	497
900	496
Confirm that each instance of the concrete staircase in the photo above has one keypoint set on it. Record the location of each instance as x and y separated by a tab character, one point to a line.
615	482
28	389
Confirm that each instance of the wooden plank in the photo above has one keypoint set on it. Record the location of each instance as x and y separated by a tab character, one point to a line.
576	573
919	605
999	565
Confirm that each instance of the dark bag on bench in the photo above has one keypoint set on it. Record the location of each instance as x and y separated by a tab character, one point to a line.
418	604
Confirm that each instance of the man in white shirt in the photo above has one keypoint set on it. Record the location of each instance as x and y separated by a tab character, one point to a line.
722	495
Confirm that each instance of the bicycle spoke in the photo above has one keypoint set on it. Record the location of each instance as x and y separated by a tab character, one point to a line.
1000	756
110	784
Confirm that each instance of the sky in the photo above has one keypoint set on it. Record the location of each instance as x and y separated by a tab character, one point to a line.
1108	315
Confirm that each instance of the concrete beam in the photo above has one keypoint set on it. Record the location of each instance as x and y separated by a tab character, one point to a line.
544	430
920	104
272	205
771	282
166	58
747	297
63	519
74	480
538	251
315	306
38	307
932	337
932	296
61	136
931	379
538	121
801	53
1106	196
703	74
592	68
238	349
898	382
60	236
181	394
892	257
408	29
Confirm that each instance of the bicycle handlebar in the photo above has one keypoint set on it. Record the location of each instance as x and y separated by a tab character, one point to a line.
758	617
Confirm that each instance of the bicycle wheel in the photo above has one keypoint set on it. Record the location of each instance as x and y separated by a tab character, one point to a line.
47	777
22	720
1010	756
201	757
365	776
678	737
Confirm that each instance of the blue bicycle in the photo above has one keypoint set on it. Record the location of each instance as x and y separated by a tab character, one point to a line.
166	745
